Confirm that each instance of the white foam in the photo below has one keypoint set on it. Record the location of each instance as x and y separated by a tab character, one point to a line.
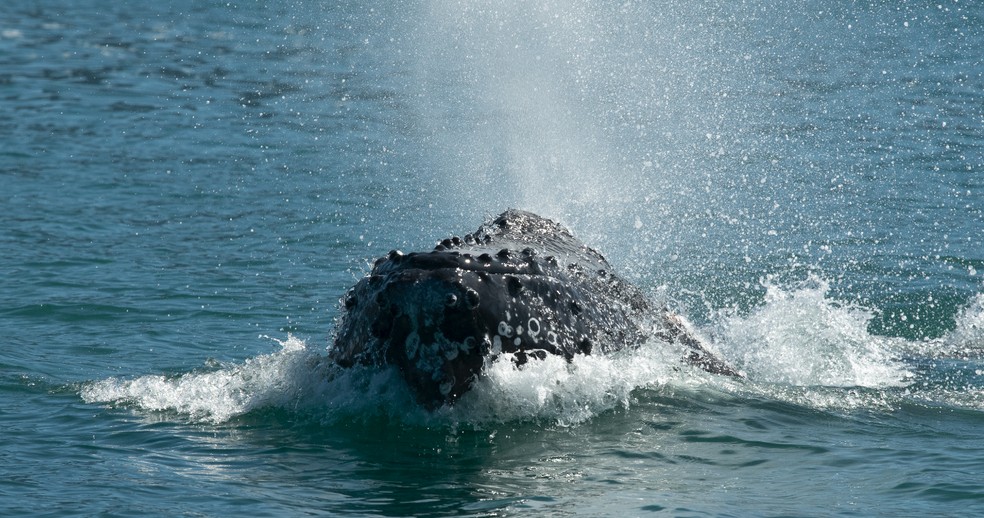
278	379
298	378
969	331
565	392
800	337
798	346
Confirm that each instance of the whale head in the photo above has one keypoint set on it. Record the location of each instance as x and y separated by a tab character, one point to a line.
521	284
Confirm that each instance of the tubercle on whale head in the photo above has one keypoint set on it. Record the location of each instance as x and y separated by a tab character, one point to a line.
433	334
440	316
520	285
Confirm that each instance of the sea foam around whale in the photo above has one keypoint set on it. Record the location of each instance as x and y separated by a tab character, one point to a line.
798	346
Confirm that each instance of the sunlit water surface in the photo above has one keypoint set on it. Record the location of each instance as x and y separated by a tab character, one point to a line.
189	187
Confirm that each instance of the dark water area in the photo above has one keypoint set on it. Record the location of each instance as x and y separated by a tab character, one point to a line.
190	187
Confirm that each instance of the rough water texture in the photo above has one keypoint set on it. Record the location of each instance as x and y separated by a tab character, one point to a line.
189	188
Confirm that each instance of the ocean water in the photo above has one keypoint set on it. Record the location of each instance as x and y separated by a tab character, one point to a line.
190	186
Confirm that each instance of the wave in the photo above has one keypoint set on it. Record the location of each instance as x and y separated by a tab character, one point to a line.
968	335
797	346
801	337
270	380
300	378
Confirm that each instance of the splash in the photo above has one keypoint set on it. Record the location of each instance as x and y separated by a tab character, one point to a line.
800	337
955	376
271	380
798	346
300	379
968	335
568	393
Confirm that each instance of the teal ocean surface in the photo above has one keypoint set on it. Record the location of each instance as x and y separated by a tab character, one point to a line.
189	187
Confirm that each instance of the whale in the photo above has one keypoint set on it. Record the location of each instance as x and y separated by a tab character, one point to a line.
521	285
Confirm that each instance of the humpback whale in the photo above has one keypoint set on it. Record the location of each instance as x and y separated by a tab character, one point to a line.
520	284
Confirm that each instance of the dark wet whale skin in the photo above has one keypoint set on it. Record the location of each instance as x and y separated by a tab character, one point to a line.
520	284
